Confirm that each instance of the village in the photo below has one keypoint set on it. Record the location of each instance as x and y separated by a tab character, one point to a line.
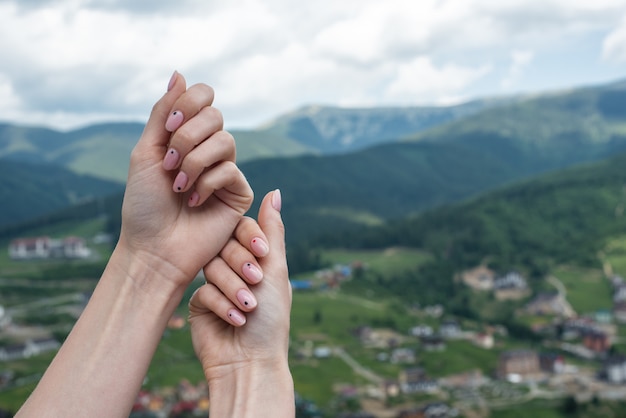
574	358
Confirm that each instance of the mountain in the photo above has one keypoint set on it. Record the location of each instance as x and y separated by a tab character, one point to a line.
554	129
98	150
331	130
102	150
502	143
31	190
563	217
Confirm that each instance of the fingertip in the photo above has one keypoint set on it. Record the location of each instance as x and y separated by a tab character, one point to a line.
236	318
270	218
277	201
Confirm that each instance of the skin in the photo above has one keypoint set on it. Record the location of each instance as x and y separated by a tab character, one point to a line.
167	237
246	366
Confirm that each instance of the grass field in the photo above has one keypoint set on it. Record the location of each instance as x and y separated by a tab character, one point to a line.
587	290
389	261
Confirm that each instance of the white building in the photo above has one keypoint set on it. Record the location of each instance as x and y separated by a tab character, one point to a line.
46	247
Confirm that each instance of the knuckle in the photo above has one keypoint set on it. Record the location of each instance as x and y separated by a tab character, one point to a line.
183	136
215	115
230	250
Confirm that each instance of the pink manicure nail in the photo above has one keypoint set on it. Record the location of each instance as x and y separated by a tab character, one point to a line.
259	247
174	120
277	200
252	273
170	161
236	317
180	182
194	199
246	298
170	85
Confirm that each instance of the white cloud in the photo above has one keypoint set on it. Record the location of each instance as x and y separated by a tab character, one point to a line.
519	61
84	60
614	45
420	81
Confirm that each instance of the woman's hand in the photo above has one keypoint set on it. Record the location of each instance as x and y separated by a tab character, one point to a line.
184	195
243	349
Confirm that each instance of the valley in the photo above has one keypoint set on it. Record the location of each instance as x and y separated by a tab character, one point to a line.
462	261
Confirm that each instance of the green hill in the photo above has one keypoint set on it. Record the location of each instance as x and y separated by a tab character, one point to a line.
102	150
554	129
565	217
32	190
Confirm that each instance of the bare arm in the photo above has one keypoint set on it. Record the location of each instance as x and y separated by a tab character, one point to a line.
183	187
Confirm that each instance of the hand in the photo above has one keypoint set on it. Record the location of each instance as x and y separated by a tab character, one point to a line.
221	347
184	195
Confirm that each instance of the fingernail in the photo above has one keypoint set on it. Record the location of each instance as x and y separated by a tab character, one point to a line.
174	120
252	273
246	298
277	200
236	317
259	247
180	181
170	161
194	199
170	85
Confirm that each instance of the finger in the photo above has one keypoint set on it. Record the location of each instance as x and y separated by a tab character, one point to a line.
251	236
229	185
196	130
188	105
219	273
219	147
208	298
241	261
272	225
154	133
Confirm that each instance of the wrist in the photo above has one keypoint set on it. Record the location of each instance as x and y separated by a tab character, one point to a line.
147	272
261	389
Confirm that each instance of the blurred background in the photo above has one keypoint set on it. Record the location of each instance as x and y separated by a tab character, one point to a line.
452	174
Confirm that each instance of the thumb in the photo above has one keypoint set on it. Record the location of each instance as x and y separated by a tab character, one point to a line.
154	133
272	225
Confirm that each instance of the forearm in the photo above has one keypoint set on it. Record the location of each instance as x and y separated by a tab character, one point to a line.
100	367
253	391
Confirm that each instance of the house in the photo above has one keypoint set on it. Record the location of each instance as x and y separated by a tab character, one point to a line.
484	340
511	280
551	363
550	303
301	284
619	293
450	329
516	365
176	322
430	410
5	319
30	248
619	312
421	331
414	380
46	247
573	328
73	247
479	278
29	349
402	355
596	341
433	343
322	352
614	370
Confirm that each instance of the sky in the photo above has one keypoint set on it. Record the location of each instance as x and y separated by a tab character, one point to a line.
68	63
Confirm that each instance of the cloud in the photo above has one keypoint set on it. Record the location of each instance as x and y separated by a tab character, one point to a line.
519	61
67	61
421	81
614	45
